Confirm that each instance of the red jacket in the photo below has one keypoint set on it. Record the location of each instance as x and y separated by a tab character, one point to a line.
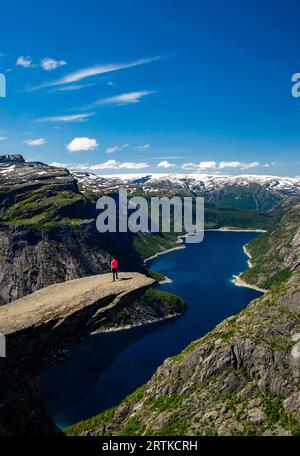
114	264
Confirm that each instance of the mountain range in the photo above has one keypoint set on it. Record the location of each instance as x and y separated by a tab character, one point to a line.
240	379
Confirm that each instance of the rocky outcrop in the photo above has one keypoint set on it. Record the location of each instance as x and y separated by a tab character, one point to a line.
241	379
15	158
153	306
34	257
41	328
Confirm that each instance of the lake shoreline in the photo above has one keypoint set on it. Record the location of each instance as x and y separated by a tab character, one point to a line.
182	246
236	279
237	230
239	282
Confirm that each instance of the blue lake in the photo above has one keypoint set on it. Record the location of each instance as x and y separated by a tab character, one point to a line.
104	368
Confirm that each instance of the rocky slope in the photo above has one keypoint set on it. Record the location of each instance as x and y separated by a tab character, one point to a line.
154	306
275	255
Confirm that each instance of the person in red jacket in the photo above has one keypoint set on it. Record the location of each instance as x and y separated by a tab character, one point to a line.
114	265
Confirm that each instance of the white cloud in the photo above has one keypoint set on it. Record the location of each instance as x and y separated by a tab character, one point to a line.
73	87
78	144
142	147
78	166
200	166
25	62
123	99
237	164
58	165
49	64
109	164
94	71
67	118
213	165
46	63
114	164
113	149
165	164
3	138
35	142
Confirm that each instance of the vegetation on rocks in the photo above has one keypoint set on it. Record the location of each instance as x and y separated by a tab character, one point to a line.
153	305
275	255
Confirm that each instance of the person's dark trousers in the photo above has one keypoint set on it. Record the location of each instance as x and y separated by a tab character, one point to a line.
115	274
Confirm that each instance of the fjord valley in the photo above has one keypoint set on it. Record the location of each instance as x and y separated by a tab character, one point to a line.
49	237
93	379
241	378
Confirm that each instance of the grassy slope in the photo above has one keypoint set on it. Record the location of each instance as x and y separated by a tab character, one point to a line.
45	207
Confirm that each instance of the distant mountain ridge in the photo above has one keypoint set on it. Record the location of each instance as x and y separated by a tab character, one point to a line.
247	191
190	181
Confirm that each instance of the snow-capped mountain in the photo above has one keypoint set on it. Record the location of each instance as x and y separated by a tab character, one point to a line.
192	182
261	192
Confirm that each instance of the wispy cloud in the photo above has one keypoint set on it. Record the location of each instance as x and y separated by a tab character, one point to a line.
109	164
67	118
49	64
213	165
113	149
142	147
114	164
73	87
78	144
200	166
35	142
240	165
3	138
73	166
46	63
24	61
122	99
94	71
166	164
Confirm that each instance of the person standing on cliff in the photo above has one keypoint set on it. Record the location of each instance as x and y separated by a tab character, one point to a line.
114	265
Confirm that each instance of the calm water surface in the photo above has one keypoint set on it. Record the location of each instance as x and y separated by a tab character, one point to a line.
104	368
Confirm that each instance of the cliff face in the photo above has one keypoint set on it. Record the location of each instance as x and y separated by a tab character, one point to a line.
41	328
48	232
32	258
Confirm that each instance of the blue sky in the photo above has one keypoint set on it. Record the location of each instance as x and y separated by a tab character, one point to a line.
122	86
